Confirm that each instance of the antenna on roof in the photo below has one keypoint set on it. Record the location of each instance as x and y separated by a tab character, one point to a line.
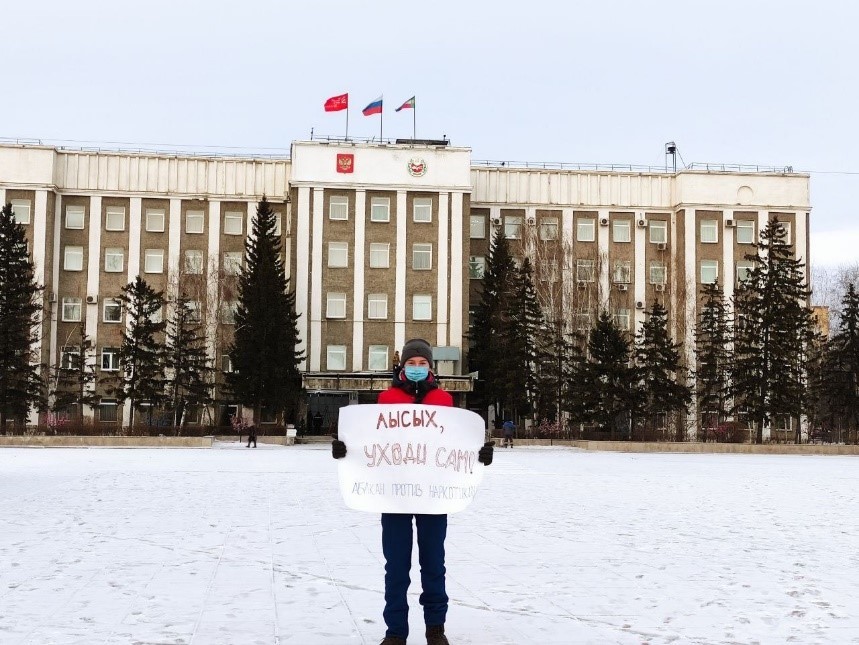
671	149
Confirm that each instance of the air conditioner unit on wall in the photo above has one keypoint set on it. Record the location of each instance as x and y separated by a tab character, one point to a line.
495	219
531	219
604	221
729	223
642	223
639	304
52	297
91	300
622	287
659	287
662	246
582	284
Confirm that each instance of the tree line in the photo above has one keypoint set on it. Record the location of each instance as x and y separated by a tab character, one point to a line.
162	362
757	359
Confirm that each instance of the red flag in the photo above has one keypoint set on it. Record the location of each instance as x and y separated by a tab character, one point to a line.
337	103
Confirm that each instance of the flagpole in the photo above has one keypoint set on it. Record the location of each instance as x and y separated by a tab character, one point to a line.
415	120
347	120
381	118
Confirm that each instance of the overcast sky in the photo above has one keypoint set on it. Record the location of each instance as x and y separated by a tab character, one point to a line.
766	82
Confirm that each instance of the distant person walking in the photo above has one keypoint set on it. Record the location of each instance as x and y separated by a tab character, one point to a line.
509	430
252	436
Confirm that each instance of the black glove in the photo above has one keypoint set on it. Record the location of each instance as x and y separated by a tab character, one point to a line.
484	455
338	449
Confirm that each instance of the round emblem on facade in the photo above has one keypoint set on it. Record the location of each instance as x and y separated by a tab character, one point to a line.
417	167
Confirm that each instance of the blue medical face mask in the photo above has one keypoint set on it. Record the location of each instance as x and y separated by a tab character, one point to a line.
416	372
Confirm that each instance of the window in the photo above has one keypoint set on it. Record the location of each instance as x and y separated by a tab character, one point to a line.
110	359
549	270
657	273
338	255
233	222
622	272
549	228
195	311
193	262
583	322
155	220
226	364
585	270
513	227
75	217
112	311
377	358
21	210
377	306
278	224
380	209
585	229
743	268
620	230
338	207
233	262
422	209
195	222
745	231
336	307
477	230
108	411
421	306
114	218
336	357
379	255
72	309
658	231
422	257
114	260
69	357
709	231
785	226
622	319
709	271
228	312
73	258
153	261
476	266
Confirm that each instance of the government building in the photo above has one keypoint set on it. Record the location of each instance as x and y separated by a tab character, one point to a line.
382	242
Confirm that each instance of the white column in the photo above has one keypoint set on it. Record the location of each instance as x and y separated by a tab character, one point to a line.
213	267
729	275
763	220
800	238
358	295
443	224
302	266
2	197
400	279
691	298
39	218
568	268
93	267
135	209
55	282
456	261
316	283
174	252
641	277
603	260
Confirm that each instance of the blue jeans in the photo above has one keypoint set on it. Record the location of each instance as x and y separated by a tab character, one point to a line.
397	548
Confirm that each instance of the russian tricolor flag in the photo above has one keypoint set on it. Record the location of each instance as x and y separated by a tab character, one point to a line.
374	108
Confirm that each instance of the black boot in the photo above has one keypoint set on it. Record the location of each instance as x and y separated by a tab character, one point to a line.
435	635
393	640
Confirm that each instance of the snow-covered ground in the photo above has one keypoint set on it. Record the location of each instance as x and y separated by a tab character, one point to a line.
243	547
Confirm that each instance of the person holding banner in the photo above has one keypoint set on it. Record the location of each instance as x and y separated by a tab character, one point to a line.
414	382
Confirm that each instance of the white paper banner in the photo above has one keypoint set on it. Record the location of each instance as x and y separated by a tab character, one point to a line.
409	458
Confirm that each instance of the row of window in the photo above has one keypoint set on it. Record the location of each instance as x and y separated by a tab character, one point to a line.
153	260
154	219
377	358
71	310
377	306
380	209
710	270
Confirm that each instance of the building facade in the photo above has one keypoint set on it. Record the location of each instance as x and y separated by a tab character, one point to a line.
382	242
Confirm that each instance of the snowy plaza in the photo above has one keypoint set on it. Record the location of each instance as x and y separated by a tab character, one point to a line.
245	547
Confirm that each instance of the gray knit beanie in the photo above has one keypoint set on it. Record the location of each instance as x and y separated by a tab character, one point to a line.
416	347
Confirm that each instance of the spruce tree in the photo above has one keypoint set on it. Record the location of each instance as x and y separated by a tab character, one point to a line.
773	332
74	378
141	354
487	354
21	386
605	390
264	350
713	356
840	367
188	367
662	380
